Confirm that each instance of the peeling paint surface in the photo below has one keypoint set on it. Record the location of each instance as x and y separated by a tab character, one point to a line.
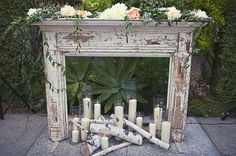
107	38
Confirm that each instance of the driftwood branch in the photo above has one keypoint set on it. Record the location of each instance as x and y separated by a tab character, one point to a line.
112	148
146	134
110	129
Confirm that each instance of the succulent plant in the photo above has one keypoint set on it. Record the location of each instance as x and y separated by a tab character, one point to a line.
97	5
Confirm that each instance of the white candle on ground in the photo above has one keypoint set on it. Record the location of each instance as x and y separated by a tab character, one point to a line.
104	142
76	119
132	110
85	125
165	133
75	136
97	110
152	129
156	117
139	121
119	112
87	104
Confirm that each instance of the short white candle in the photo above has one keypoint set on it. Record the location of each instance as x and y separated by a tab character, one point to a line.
85	125
165	133
76	119
132	110
87	104
97	110
119	112
75	136
104	142
139	121
157	117
152	129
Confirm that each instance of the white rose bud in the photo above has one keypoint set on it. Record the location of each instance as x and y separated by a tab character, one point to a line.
201	14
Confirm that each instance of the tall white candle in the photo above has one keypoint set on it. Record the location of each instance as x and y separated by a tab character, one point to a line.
76	119
87	104
75	136
165	133
139	121
85	125
157	117
104	142
152	129
119	112
97	110
132	110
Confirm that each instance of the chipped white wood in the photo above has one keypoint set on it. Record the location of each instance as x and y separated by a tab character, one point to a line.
106	38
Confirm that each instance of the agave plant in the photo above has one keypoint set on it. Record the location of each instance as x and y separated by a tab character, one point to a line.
111	81
77	78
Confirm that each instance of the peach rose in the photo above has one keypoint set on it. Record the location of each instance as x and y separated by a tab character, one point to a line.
133	13
83	13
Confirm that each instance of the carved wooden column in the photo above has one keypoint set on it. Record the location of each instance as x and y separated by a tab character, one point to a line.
107	39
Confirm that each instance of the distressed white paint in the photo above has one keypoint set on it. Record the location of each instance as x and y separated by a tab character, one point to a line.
107	38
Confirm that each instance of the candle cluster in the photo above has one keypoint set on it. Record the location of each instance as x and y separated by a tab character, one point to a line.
154	126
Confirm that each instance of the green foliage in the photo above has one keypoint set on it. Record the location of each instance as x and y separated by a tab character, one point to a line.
204	107
97	5
228	59
153	72
111	81
78	71
20	64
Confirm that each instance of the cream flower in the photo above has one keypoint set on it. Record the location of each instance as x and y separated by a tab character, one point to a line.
68	10
117	11
201	14
173	13
133	13
32	11
83	13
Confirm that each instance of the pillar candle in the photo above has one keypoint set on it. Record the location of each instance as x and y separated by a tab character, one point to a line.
165	133
75	136
85	125
132	110
139	121
156	117
104	142
97	110
152	129
87	104
76	119
119	112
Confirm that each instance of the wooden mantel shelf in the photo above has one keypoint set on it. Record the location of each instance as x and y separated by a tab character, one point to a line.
107	38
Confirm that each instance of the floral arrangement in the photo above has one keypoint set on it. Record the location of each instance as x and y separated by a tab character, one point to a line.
120	11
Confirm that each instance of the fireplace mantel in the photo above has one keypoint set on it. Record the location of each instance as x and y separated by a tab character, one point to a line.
107	38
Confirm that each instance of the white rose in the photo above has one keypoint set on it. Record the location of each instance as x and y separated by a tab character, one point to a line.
201	14
68	10
106	14
32	11
173	13
117	11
